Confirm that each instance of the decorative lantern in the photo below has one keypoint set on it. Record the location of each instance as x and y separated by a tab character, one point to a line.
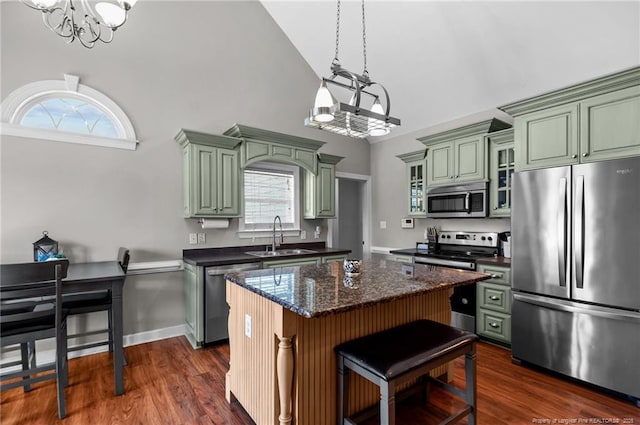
44	248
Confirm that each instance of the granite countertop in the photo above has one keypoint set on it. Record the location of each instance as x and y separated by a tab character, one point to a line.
495	261
491	261
313	291
237	254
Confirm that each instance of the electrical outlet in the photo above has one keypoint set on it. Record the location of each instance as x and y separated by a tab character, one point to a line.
247	325
303	234
193	238
202	238
383	224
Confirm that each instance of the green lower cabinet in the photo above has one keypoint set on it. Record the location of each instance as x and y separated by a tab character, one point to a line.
193	290
402	258
494	326
493	311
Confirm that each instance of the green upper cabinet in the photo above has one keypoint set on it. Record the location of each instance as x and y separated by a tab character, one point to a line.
501	168
264	145
591	121
610	125
416	184
320	188
211	175
548	138
459	155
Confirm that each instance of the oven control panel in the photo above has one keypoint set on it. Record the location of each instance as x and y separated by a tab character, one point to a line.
487	239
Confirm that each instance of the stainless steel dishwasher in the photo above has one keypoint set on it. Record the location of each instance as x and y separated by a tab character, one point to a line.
216	309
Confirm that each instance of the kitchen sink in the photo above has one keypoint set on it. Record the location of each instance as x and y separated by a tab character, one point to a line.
281	252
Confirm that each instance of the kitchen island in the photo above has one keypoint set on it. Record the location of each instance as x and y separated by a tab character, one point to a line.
285	322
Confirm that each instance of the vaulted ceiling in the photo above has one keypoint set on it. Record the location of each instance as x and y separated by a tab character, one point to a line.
442	60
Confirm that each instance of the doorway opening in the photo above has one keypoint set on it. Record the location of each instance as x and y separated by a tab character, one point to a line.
351	227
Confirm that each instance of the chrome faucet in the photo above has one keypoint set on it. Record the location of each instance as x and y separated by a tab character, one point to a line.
277	244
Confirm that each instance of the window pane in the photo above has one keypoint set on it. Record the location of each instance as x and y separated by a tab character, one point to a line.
68	114
267	194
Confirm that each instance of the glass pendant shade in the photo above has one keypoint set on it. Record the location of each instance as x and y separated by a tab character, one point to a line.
324	105
377	127
111	15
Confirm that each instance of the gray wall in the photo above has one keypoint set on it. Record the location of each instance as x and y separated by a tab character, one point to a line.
389	198
196	65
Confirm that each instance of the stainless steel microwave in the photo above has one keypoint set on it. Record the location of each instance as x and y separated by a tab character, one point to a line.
461	201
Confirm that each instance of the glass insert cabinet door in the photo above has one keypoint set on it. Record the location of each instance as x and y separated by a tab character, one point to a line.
416	174
416	188
505	166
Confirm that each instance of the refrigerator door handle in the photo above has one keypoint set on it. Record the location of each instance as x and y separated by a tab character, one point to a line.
579	233
562	232
573	307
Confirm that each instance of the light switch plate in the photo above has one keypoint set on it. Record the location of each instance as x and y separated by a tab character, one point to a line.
193	238
303	234
202	238
383	224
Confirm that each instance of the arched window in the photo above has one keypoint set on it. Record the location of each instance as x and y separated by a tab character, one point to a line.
66	111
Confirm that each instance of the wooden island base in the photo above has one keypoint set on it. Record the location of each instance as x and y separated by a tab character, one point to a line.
285	372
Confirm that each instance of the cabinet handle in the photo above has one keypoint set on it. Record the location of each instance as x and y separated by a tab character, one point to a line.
585	154
494	298
495	276
494	325
495	208
450	177
457	176
574	156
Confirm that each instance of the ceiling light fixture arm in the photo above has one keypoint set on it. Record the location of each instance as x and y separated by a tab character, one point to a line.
87	26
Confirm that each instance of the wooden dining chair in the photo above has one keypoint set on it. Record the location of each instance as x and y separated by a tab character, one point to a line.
31	310
92	302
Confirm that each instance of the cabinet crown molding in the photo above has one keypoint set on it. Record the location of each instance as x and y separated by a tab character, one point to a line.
413	156
189	136
245	132
326	158
576	92
502	136
482	127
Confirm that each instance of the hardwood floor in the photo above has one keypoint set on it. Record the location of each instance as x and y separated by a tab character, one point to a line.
167	382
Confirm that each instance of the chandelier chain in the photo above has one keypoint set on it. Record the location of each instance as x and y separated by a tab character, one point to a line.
364	43
335	59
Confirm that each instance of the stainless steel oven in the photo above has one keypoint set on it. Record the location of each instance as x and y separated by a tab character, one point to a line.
462	201
460	250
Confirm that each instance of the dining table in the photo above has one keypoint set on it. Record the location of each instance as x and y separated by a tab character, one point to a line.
100	276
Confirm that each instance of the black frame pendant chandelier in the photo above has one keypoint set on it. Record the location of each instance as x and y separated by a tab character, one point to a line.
350	118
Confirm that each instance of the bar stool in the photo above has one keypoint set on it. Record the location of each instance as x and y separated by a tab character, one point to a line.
394	356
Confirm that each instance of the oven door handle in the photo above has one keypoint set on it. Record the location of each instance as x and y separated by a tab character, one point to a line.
467	203
466	265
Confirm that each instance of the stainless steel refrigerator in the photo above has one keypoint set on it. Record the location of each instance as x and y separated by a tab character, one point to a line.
575	263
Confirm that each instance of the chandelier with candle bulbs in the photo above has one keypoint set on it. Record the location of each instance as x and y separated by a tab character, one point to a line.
87	22
351	118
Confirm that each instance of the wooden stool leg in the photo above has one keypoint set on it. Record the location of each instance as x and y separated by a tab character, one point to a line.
343	391
470	376
387	403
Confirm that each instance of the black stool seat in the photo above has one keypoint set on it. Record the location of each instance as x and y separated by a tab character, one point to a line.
395	351
401	355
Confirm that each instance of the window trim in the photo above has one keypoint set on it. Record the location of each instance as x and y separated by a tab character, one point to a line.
20	101
245	231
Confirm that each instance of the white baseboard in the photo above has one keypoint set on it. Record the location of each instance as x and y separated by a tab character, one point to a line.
48	356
